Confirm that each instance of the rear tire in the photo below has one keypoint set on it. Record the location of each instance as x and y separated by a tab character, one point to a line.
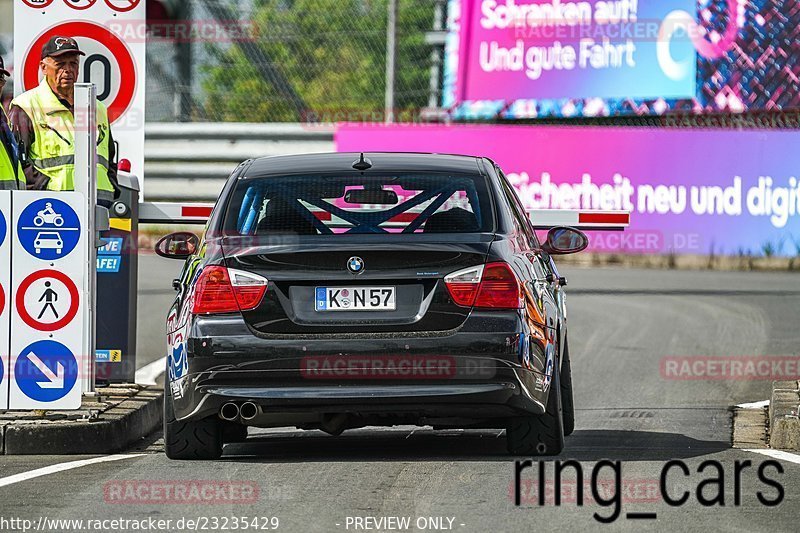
539	435
190	440
567	401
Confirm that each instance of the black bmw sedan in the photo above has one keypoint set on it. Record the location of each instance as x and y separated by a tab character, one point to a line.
337	291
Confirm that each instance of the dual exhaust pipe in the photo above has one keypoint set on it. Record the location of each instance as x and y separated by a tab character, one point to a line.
232	412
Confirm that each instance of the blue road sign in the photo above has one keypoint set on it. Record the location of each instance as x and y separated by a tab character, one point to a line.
46	371
2	228
49	229
1	371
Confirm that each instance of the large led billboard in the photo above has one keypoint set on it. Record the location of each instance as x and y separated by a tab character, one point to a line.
559	58
690	191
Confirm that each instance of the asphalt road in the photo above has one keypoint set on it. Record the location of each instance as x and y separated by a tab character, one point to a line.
623	323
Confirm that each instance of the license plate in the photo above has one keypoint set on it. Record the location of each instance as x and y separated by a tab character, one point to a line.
355	299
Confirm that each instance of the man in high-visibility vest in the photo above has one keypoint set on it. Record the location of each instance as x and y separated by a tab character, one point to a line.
11	176
43	119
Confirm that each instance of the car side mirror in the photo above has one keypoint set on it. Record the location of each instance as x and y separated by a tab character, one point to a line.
178	245
562	241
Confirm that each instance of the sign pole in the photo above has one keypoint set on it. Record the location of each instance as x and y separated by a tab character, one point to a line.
86	182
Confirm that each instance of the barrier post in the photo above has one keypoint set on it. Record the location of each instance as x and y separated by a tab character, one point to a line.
85	181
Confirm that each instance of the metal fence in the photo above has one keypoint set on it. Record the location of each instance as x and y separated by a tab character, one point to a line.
191	162
287	60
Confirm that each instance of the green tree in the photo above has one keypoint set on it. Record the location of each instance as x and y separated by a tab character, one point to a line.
333	55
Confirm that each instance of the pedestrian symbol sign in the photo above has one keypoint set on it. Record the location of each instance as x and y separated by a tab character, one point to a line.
49	229
47	300
46	371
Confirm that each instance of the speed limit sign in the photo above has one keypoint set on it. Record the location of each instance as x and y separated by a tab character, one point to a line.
112	35
109	63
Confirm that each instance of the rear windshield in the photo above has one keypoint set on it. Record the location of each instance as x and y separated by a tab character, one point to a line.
337	205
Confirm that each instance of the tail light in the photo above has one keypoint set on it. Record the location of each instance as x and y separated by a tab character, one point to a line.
464	284
493	286
223	290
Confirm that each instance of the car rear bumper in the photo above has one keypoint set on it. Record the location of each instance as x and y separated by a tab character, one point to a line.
461	374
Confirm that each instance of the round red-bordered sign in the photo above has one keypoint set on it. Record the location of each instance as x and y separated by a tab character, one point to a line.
122	6
73	304
101	34
37	6
86	5
2	299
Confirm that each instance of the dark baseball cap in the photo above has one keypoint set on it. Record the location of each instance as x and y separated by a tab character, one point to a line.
60	45
3	70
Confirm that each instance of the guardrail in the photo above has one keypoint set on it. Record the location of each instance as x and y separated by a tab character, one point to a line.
191	161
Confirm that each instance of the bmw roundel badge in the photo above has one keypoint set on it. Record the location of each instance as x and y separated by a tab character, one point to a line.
355	265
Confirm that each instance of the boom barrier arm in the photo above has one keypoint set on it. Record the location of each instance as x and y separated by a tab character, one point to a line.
191	213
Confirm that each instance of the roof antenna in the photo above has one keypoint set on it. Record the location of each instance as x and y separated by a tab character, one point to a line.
363	163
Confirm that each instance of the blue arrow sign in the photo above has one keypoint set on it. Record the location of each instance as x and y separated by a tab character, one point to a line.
46	371
49	229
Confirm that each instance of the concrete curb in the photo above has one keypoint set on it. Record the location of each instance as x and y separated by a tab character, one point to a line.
750	427
784	421
120	425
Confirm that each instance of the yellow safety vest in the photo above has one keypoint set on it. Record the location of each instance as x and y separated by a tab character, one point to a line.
53	150
10	178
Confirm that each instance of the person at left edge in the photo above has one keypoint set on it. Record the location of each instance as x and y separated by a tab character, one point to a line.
43	119
11	175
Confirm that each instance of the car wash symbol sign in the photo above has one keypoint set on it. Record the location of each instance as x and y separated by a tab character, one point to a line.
49	229
47	300
46	371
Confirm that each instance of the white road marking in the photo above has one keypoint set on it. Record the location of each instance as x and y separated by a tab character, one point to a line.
54	469
778	454
754	405
148	374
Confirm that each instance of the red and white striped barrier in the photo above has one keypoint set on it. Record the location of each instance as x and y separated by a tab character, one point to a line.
584	220
174	213
178	213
